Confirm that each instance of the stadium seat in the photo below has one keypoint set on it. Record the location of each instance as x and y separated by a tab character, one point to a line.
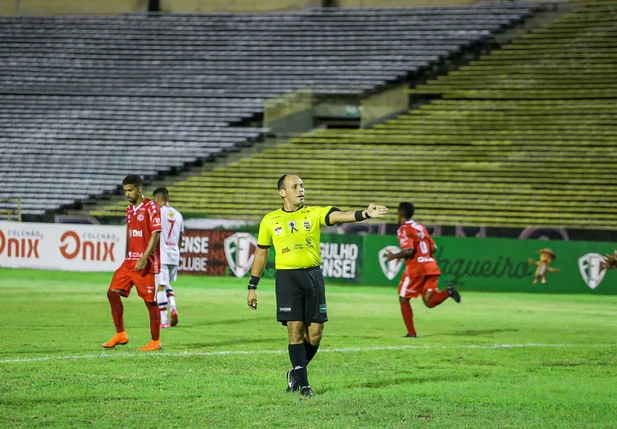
522	137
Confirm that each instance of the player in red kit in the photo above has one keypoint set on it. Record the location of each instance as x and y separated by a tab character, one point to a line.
143	225
421	270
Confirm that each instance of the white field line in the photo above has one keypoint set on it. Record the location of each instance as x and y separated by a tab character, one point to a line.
112	355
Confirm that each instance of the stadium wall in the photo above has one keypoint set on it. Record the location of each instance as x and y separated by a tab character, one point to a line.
477	264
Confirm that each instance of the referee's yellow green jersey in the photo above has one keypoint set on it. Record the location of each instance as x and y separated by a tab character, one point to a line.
296	236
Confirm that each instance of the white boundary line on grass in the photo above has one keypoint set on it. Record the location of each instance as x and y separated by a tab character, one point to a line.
111	355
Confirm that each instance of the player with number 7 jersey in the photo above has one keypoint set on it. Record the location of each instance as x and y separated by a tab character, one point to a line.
421	270
172	227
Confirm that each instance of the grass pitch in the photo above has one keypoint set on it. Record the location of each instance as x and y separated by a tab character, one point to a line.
494	361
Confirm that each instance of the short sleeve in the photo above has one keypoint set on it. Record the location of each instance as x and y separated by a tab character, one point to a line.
155	218
406	238
264	240
323	213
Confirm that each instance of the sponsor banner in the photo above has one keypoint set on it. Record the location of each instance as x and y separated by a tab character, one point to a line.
203	252
220	253
504	265
62	246
341	257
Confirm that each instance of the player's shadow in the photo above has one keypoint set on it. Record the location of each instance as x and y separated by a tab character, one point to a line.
234	342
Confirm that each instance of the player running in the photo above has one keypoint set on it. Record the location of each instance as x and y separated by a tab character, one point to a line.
421	270
172	227
143	226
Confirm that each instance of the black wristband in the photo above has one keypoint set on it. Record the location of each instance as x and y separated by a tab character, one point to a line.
359	215
367	215
253	282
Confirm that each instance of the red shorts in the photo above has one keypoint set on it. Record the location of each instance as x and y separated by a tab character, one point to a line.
412	287
125	277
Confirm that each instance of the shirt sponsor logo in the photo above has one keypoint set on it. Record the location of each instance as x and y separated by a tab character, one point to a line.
292	226
298	247
423	259
285	250
136	233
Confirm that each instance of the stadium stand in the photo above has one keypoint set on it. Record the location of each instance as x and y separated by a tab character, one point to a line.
85	100
524	136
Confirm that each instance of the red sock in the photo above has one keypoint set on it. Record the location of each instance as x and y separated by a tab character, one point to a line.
117	310
155	320
408	317
437	298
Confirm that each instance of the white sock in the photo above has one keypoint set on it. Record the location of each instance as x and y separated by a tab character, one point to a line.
162	302
170	296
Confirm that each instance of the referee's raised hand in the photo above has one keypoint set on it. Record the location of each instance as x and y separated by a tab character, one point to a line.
376	211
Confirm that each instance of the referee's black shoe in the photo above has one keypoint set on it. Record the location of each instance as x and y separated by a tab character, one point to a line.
306	391
292	382
454	293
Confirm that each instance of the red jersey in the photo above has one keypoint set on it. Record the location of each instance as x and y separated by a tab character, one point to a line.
141	222
412	235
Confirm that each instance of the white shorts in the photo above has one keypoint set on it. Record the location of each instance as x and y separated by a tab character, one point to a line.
169	273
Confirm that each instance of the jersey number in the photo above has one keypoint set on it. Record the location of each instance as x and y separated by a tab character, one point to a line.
424	247
171	228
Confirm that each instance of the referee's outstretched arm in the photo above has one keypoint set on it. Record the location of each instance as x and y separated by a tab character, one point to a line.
372	211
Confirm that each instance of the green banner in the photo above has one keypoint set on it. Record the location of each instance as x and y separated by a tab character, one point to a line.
501	265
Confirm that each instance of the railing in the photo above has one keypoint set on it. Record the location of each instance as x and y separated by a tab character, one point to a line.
10	212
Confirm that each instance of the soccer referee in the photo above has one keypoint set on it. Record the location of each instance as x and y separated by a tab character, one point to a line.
295	231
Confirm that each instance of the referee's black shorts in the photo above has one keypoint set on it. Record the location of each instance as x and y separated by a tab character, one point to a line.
301	296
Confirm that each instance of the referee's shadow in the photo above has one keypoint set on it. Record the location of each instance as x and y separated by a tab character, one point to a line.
227	322
234	342
408	379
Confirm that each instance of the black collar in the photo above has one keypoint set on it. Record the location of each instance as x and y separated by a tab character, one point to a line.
291	211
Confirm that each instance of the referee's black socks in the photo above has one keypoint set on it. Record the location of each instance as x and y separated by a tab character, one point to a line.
311	350
297	355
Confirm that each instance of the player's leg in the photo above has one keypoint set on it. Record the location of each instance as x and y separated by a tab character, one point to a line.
290	312
316	313
162	280
173	275
120	286
431	295
145	285
405	292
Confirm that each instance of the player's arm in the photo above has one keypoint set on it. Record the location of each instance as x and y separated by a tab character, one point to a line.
154	240
403	254
373	211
